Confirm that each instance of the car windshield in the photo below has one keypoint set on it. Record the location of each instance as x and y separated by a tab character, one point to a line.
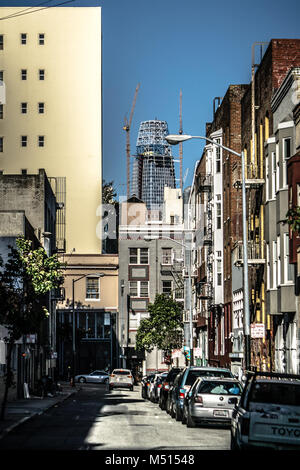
121	372
220	388
277	393
193	374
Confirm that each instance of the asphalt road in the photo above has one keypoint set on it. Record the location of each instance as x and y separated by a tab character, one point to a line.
96	419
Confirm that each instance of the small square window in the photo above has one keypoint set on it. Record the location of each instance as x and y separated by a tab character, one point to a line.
23	74
41	141
41	108
1	111
1	42
42	74
1	144
23	140
23	38
41	39
23	108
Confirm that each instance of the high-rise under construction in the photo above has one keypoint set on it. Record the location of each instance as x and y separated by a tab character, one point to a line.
153	166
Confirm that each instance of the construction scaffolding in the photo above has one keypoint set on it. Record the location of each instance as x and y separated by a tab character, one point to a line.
153	166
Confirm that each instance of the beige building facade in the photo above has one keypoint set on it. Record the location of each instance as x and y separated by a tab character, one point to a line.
50	63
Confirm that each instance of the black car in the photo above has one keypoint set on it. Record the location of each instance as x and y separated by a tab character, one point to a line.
167	383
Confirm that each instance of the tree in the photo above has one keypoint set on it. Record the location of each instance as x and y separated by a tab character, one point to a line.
25	278
108	193
293	218
163	329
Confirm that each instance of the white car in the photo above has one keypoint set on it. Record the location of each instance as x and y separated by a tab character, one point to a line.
98	376
268	413
121	378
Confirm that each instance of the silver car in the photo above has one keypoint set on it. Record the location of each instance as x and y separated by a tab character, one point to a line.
121	378
98	376
211	400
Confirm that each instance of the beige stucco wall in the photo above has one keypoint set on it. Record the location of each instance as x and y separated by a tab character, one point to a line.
71	123
79	265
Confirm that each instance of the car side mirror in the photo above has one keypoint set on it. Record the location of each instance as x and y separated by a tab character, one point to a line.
233	401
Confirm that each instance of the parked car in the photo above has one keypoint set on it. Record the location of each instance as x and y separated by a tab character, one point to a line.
168	381
98	376
121	378
155	386
210	401
146	384
185	380
268	413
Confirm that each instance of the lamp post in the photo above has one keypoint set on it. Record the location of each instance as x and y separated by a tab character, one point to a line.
176	139
74	323
189	291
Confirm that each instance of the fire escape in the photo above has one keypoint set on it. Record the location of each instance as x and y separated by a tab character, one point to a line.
205	278
256	244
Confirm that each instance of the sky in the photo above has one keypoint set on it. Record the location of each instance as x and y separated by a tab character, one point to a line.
196	46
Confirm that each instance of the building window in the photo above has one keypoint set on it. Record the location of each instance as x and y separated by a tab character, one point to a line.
42	74
23	140
1	42
277	168
267	179
41	108
167	287
1	111
23	108
23	74
218	157
41	141
139	289
286	144
167	256
92	288
288	268
219	272
219	215
1	75
23	38
273	174
268	267
278	261
1	144
41	39
274	270
138	256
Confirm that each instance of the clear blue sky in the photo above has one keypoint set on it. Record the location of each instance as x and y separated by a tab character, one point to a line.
197	46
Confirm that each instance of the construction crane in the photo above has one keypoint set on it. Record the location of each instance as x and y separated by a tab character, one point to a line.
126	127
180	132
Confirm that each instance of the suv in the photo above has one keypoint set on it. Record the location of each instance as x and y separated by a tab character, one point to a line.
121	378
168	381
268	413
185	380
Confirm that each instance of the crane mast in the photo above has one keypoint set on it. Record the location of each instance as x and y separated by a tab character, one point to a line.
126	127
180	132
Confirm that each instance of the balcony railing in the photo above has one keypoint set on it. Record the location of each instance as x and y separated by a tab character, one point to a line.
253	176
256	253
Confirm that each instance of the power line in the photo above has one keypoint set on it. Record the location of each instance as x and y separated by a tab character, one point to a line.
25	12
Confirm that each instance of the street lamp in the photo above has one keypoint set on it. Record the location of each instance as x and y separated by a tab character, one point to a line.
73	320
176	139
189	290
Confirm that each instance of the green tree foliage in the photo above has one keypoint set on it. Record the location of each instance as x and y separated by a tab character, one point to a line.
293	218
25	278
163	329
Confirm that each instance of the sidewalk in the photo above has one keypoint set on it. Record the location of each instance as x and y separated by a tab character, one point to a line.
19	411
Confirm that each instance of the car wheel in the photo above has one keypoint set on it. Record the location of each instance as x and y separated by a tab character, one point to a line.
233	443
82	380
190	422
183	419
178	414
